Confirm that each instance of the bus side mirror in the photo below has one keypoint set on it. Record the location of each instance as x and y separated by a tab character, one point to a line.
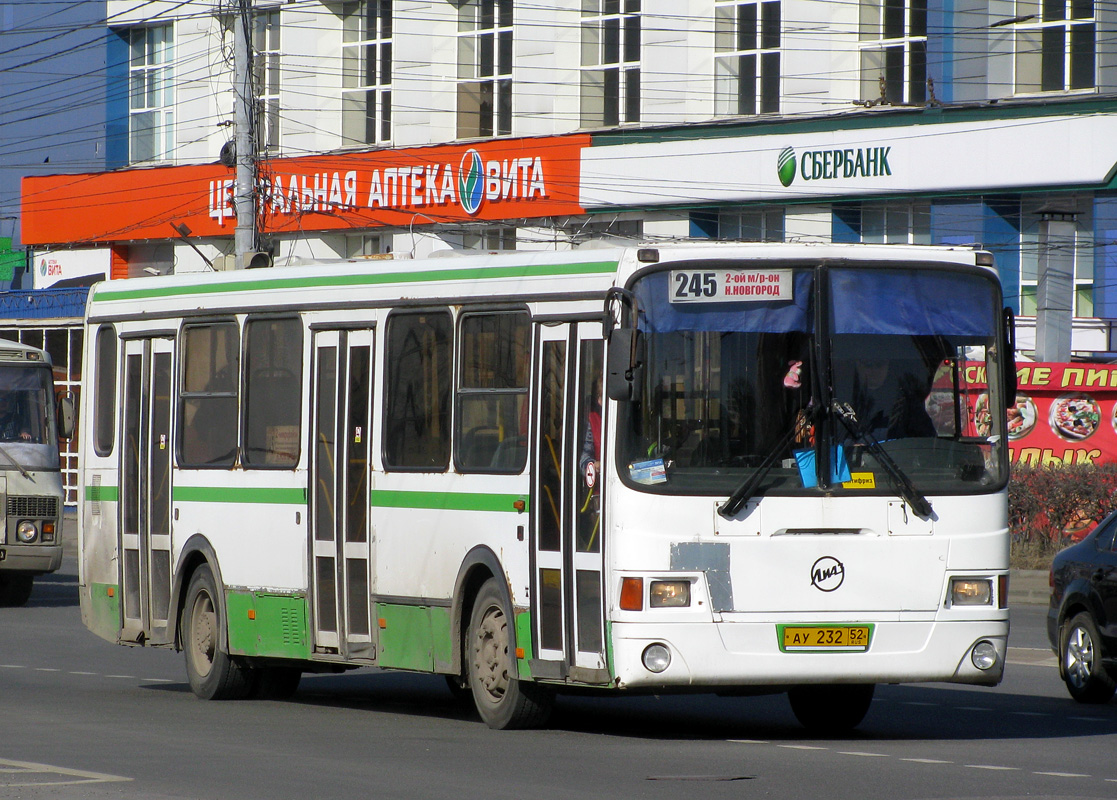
66	416
625	366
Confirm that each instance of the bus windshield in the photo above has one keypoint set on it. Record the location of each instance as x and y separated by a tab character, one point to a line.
792	368
27	424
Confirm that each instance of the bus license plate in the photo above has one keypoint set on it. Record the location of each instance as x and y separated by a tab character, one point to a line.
848	638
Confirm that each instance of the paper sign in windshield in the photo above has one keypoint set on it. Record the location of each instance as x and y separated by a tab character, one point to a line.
730	286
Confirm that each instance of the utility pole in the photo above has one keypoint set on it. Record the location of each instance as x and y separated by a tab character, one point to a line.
244	198
1055	293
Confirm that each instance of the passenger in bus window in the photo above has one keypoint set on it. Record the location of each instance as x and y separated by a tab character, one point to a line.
13	426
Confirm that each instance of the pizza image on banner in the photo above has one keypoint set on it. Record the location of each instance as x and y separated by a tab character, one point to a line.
1074	416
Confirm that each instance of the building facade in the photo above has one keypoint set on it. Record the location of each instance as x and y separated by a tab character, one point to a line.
407	127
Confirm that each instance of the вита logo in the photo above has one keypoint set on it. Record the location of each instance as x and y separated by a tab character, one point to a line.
785	166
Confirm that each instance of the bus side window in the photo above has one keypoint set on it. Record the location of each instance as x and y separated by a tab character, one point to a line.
208	395
104	391
417	397
490	428
273	363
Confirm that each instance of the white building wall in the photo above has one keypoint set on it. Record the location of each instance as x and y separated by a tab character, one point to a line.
424	72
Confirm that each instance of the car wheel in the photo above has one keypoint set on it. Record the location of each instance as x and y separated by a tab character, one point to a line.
831	710
1081	665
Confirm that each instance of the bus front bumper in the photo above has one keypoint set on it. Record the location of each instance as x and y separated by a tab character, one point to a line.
35	558
728	654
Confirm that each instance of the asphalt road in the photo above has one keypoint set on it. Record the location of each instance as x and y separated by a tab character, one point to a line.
82	718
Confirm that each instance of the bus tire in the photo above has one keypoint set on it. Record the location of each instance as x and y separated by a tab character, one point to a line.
15	589
831	710
1080	662
212	673
503	702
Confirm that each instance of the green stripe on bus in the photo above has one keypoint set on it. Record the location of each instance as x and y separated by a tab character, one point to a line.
455	501
109	494
263	284
239	494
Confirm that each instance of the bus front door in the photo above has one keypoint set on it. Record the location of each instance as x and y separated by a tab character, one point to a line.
340	559
145	491
567	546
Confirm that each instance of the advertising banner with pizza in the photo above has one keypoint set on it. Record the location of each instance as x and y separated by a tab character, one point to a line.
1064	414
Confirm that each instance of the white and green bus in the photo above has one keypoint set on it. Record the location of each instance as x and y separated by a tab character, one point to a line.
727	467
31	487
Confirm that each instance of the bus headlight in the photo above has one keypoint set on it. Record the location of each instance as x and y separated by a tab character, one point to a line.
971	592
26	532
669	594
656	657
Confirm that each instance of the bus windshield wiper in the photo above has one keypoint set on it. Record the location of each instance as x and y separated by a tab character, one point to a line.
16	464
900	480
746	490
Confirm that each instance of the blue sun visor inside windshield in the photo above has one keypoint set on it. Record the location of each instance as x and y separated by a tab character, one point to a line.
912	302
893	301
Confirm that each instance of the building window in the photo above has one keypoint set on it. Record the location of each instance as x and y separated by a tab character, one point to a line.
368	245
747	57
610	62
366	52
751	225
417	401
491	421
484	68
896	223
893	43
265	76
151	93
1055	45
490	239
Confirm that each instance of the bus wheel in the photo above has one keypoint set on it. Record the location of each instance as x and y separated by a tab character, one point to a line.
213	675
15	589
1082	668
831	710
503	701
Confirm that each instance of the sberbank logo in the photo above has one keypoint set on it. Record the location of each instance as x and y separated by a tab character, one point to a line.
785	167
828	165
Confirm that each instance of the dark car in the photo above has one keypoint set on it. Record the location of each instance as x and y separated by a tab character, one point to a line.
1082	620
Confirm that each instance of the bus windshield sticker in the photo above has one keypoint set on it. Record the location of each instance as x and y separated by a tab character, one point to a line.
861	480
648	471
731	285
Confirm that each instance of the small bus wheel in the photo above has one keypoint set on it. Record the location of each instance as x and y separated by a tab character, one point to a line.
15	589
1082	668
502	701
213	675
831	710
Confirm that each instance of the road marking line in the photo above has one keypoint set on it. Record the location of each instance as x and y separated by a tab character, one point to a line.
917	703
926	761
12	666
749	741
863	755
993	767
157	680
1088	719
1030	713
128	677
1062	774
801	747
78	776
84	673
973	708
47	669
